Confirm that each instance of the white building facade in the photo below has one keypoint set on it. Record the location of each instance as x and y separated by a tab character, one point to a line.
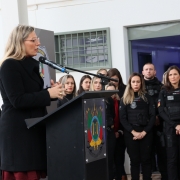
77	16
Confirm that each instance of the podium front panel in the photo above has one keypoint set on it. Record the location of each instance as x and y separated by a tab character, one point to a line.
94	129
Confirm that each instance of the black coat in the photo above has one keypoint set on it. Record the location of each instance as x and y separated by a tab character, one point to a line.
21	86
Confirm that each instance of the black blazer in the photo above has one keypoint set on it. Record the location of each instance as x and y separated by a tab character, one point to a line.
21	87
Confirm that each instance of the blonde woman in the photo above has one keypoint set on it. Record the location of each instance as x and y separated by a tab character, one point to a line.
96	84
69	85
23	151
137	114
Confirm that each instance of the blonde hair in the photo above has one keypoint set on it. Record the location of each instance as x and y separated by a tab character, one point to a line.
92	83
164	77
99	71
64	80
15	45
128	96
110	84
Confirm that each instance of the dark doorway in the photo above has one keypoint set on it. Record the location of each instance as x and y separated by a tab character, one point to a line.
143	58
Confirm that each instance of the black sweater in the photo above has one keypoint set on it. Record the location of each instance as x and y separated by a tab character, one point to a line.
65	99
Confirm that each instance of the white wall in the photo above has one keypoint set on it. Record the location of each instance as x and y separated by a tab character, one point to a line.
63	16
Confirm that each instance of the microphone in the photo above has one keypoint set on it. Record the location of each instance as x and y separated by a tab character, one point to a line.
52	64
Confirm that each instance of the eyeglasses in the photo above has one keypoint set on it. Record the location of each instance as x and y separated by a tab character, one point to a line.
36	40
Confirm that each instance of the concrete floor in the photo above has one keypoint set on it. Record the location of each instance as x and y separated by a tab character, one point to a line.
156	176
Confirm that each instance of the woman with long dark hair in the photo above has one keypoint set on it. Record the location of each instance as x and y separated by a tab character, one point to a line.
120	143
169	110
137	113
84	84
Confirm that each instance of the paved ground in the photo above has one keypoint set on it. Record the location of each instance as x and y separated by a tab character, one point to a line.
154	177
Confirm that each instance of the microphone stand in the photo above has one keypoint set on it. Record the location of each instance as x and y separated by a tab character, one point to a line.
104	79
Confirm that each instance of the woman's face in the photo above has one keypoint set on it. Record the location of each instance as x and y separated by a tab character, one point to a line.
136	83
69	86
115	83
174	77
31	44
97	86
111	88
86	84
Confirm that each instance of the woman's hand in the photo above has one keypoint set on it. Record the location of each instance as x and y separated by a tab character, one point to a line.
56	91
143	133
117	96
138	135
135	134
116	134
53	84
178	127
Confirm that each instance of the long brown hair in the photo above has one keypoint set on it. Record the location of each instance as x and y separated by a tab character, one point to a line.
168	86
128	96
115	72
80	90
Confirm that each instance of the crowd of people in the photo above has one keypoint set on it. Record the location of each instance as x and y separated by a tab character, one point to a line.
143	117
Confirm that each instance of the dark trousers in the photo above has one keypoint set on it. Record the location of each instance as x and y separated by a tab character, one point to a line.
119	157
161	158
173	160
110	152
140	153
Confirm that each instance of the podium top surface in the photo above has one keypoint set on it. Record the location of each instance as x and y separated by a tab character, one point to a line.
85	95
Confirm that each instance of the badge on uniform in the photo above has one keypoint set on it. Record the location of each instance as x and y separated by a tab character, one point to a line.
170	97
133	105
151	92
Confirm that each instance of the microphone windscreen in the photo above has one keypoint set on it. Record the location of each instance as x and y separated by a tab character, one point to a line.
42	59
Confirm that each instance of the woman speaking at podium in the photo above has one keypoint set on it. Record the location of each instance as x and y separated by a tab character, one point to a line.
22	150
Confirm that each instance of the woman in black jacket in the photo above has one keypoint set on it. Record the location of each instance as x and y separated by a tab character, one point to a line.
120	146
22	150
137	114
169	110
69	85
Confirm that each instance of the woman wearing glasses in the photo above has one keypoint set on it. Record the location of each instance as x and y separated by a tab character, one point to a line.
23	151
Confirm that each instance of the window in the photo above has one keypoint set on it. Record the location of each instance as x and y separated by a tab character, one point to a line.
158	44
86	50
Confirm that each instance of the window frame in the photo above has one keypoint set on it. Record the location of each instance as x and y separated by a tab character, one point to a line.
71	33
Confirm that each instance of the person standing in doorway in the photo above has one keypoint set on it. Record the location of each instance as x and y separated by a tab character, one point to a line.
153	87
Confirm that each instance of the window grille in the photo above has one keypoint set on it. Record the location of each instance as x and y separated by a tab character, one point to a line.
85	49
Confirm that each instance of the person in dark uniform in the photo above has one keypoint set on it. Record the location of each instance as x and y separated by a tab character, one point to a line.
69	85
137	114
84	84
153	87
169	110
120	146
110	114
22	150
